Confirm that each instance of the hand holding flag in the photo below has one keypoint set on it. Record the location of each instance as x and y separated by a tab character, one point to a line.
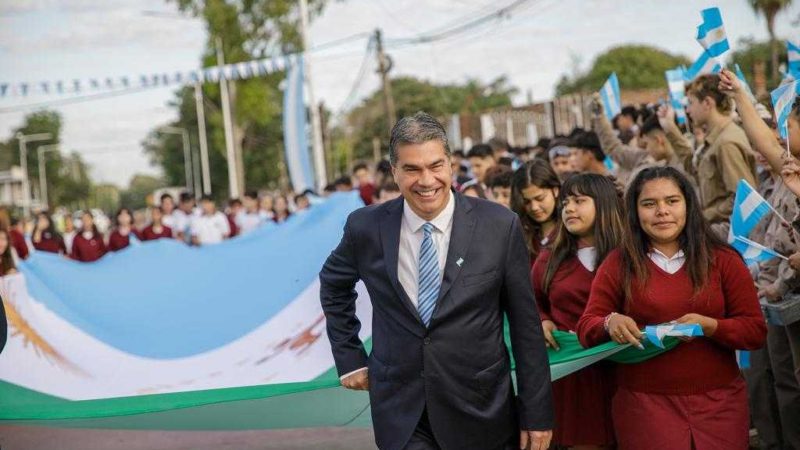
782	100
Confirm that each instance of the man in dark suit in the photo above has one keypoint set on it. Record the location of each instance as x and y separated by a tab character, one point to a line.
441	269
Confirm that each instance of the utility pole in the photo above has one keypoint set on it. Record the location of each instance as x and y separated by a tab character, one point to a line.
384	66
41	151
201	125
230	152
316	124
23	156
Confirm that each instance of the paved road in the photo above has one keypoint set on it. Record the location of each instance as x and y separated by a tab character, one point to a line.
34	438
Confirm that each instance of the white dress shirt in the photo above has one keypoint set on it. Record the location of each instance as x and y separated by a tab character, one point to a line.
411	235
588	257
667	264
210	229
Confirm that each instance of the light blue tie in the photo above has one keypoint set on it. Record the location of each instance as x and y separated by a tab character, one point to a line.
429	281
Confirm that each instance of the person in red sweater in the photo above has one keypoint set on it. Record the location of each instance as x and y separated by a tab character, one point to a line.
671	268
7	265
88	245
45	236
17	234
120	237
534	194
156	229
591	227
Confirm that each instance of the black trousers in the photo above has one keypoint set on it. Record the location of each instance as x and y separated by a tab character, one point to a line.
423	438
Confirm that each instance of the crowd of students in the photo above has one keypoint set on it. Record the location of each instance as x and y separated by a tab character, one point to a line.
627	224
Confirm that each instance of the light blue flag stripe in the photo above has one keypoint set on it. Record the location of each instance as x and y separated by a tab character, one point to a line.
656	333
711	33
793	54
610	97
703	65
740	76
782	100
677	92
748	209
753	252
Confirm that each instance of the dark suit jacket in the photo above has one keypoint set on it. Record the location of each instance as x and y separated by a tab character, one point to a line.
458	367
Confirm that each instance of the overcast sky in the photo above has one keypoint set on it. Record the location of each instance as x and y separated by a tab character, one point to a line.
67	39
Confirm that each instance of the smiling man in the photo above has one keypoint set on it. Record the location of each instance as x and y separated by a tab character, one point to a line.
441	269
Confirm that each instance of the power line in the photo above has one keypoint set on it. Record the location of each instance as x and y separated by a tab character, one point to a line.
362	71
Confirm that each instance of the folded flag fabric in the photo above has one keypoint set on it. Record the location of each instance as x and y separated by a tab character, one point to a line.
704	64
753	252
677	92
748	209
711	33
783	98
609	94
656	333
793	55
743	359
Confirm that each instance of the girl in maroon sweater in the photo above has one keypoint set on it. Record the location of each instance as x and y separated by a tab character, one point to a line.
591	227
88	245
534	190
672	268
156	229
121	235
7	265
45	237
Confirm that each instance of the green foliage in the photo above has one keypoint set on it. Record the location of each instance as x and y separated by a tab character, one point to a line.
248	29
368	120
637	67
749	52
139	189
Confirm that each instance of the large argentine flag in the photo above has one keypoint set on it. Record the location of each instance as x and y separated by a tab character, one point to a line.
295	131
711	33
783	98
793	54
703	65
609	94
748	209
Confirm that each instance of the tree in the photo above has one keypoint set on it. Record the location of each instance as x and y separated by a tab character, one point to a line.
637	67
770	9
139	191
367	120
749	53
249	30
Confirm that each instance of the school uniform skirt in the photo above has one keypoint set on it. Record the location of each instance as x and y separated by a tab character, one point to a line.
713	420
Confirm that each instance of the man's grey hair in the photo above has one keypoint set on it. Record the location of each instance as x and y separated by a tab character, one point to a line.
416	129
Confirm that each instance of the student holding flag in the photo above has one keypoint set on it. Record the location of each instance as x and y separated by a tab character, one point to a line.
672	267
590	228
725	155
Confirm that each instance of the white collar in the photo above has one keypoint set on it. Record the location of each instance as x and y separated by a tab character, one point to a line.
678	255
441	222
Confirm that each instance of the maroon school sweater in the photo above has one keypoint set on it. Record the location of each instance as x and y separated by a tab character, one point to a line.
88	250
51	243
703	364
569	291
116	241
149	234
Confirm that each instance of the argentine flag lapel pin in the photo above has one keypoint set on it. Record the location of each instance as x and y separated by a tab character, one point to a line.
459	262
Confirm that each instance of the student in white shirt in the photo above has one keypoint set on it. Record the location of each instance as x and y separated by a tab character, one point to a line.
211	227
251	217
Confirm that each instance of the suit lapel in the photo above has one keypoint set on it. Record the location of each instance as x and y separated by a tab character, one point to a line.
460	238
390	239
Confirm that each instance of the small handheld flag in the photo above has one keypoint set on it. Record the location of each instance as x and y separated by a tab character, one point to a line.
746	86
711	33
677	92
748	209
793	54
609	94
782	101
703	65
753	252
656	333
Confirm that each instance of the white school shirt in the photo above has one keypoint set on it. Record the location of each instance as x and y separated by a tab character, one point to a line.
210	229
669	265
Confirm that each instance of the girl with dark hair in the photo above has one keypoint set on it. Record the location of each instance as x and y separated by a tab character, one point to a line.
156	229
672	268
281	209
534	191
590	228
7	265
120	237
45	237
88	245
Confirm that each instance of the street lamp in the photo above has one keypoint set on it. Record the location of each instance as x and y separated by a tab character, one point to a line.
187	161
41	150
23	156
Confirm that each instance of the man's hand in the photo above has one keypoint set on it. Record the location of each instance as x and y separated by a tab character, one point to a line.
708	324
769	292
790	173
549	340
535	440
666	117
729	83
358	381
794	261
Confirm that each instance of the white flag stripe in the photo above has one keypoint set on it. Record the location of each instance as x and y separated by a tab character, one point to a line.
750	203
